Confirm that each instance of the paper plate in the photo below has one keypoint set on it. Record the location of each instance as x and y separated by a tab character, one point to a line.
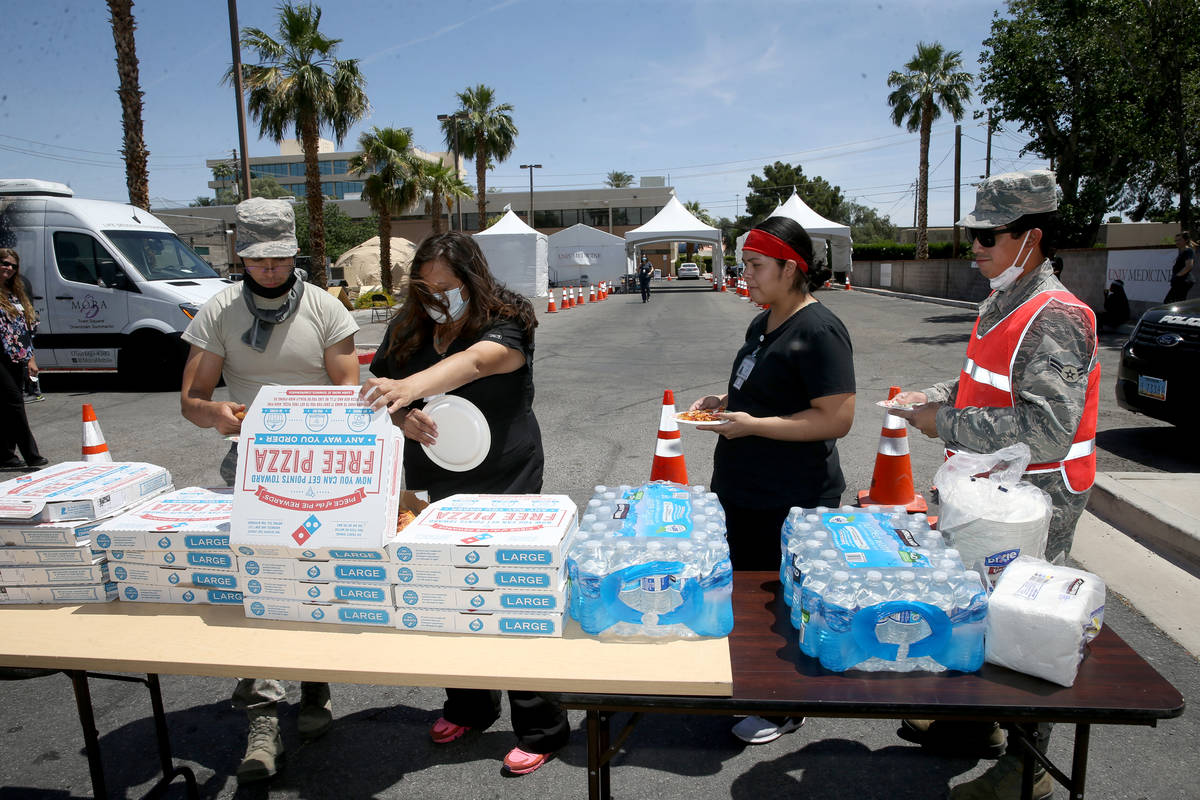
699	421
894	404
463	439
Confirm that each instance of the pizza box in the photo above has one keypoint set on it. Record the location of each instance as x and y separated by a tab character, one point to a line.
67	533
506	530
80	490
323	570
83	593
185	519
311	592
155	575
441	597
49	556
45	576
318	471
203	559
149	593
446	575
496	623
345	614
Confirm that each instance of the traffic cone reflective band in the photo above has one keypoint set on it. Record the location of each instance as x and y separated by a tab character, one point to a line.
551	308
892	480
591	294
668	451
94	446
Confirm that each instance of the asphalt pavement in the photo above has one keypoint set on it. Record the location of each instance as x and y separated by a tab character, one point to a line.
600	373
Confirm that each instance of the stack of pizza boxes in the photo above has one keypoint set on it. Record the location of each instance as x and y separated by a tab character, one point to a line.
314	503
47	526
174	549
493	564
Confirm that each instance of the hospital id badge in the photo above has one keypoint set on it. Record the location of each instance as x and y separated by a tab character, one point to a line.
744	370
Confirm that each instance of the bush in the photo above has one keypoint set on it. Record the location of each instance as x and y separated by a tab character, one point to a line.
882	251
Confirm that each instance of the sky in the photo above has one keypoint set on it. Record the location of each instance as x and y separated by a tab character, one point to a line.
703	92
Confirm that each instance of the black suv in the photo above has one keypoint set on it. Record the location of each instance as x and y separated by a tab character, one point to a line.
1160	364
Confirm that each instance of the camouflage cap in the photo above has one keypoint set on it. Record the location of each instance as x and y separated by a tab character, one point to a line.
1001	199
266	228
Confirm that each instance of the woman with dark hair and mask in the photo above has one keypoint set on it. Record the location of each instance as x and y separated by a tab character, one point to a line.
790	398
460	332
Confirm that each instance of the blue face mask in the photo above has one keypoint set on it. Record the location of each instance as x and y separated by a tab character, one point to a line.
456	306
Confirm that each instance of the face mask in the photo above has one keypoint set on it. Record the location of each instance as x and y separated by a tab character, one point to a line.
456	305
1009	276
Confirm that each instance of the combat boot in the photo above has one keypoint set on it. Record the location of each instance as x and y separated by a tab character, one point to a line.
955	738
316	710
264	747
1003	782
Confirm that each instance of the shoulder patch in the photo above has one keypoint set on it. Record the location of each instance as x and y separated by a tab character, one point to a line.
1068	372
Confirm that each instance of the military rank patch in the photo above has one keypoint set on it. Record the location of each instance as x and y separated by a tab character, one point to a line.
1068	372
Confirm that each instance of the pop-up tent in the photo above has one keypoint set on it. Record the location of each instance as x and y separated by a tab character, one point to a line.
516	254
676	224
360	264
817	227
583	250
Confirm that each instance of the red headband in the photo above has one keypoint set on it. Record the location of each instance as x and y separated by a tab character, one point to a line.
770	245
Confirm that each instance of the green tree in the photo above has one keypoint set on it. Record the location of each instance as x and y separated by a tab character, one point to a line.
133	148
394	174
443	185
266	186
867	226
300	84
226	173
776	185
618	180
341	231
203	202
487	134
932	81
693	207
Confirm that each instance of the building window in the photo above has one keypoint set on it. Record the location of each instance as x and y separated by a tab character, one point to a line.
296	169
341	167
325	167
570	216
471	222
547	219
596	217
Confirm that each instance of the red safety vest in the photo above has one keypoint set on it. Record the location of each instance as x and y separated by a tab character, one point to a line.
986	381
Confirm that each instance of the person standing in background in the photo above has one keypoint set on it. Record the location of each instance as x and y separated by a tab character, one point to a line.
644	273
1181	273
17	323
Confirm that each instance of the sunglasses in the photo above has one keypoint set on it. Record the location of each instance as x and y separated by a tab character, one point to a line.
986	236
8	264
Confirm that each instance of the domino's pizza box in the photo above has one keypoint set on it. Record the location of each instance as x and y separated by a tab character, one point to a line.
45	576
80	490
65	533
507	530
311	592
446	575
175	576
345	614
216	559
377	572
150	593
43	595
318	471
49	556
496	623
185	519
442	597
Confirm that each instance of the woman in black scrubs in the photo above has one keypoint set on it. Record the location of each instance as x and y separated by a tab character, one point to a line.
790	398
462	333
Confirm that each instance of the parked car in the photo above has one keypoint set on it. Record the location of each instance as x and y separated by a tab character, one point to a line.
689	271
1159	373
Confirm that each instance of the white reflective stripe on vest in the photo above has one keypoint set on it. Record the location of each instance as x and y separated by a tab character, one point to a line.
986	376
1078	450
893	446
669	448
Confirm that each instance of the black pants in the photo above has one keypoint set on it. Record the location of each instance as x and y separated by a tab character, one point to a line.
14	430
1179	289
540	726
753	534
645	291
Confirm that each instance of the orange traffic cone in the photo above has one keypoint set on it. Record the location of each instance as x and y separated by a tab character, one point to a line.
94	446
892	480
668	452
591	294
847	286
551	308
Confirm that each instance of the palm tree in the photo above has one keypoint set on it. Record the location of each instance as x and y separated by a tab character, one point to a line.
933	81
394	174
618	180
488	135
443	184
300	84
137	176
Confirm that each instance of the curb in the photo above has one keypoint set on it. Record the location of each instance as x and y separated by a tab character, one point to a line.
920	298
1118	500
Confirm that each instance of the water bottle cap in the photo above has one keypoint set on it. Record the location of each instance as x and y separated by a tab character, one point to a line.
821	509
940	576
588	519
593	502
841	576
874	575
812	518
599	489
952	553
908	575
829	555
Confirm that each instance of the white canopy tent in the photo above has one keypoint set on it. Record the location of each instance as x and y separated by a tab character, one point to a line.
676	224
517	255
583	250
819	228
360	264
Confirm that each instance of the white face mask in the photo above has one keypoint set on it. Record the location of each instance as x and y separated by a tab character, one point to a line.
456	304
1009	276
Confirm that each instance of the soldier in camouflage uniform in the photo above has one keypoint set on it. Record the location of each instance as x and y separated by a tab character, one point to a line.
1031	375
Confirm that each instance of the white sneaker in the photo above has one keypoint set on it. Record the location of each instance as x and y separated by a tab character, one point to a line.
756	730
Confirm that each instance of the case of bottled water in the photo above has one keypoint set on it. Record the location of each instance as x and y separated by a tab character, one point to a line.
877	589
651	561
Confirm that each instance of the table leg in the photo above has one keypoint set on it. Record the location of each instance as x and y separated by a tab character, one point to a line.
1083	737
166	761
91	737
597	727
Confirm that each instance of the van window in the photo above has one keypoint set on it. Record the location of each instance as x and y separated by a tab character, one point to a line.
82	259
160	256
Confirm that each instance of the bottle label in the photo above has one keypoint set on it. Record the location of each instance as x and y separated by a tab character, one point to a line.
866	543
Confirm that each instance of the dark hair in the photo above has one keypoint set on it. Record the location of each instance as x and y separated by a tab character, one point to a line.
488	299
16	286
1046	222
794	235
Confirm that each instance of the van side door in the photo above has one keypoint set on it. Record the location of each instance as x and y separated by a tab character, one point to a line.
87	300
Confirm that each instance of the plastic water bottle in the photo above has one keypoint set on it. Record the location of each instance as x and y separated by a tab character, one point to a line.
806	618
836	643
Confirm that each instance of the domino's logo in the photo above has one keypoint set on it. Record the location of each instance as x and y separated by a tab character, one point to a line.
120	573
403	554
103	541
257	609
473	557
404	575
131	593
409	620
254	587
410	597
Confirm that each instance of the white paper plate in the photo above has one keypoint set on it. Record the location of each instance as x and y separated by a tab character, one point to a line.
894	404
463	439
700	422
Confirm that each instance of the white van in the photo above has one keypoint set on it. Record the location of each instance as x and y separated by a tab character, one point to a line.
113	287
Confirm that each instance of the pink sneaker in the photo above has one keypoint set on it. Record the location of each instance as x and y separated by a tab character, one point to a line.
519	762
444	731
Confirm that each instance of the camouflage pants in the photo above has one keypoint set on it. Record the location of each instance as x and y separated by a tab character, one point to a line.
1068	506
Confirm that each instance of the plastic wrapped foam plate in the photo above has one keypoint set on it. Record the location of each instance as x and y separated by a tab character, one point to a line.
463	439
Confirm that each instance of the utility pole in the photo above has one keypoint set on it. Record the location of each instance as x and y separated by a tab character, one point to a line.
241	100
987	169
957	185
531	168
